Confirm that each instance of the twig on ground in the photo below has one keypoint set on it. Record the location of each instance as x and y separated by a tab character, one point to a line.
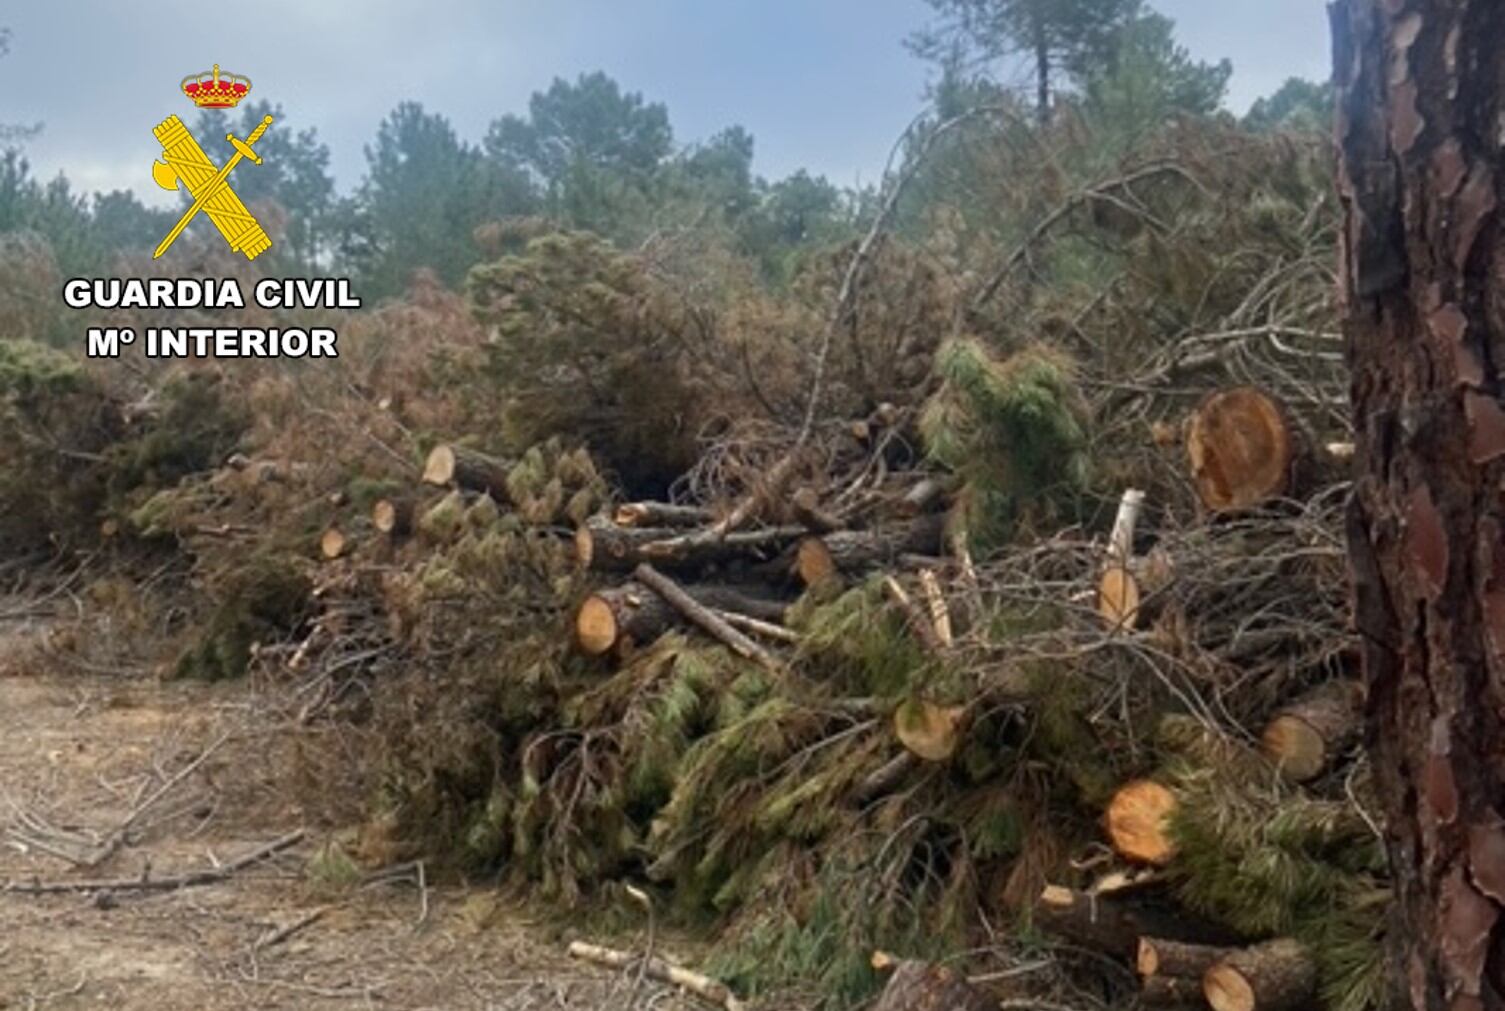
147	884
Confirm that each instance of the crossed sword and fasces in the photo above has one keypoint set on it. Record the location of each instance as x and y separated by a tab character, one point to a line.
186	161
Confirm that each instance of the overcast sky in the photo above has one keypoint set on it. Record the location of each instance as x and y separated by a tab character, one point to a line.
821	84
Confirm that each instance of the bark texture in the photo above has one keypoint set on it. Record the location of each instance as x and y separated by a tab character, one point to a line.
1420	130
917	986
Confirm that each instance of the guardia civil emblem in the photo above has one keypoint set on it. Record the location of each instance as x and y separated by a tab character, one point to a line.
185	165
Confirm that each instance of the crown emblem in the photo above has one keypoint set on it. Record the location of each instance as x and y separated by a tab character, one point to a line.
211	91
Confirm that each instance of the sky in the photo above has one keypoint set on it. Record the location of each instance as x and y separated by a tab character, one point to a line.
821	84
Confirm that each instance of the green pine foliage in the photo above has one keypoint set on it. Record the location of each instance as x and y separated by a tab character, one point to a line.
1269	861
263	602
1013	431
588	346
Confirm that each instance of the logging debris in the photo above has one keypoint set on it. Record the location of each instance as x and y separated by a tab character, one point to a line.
927	657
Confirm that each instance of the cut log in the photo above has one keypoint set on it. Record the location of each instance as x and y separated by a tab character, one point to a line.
1091	922
332	544
929	731
1118	598
805	505
853	552
393	516
465	468
1274	976
1138	822
615	618
1171	992
1161	957
1241	449
707	620
700	985
604	546
1303	738
919	986
661	514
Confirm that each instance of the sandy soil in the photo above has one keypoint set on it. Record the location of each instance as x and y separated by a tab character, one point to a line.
79	753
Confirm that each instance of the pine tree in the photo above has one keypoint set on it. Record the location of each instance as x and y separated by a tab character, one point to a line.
1057	36
1419	109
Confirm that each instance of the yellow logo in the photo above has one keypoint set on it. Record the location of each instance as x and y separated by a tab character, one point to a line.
184	163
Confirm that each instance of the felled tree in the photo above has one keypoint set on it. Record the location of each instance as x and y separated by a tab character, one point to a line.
1012	430
588	346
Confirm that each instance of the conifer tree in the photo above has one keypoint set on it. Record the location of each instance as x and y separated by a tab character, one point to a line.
1056	36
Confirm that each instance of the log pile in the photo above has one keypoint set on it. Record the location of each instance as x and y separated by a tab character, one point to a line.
891	661
820	685
1032	663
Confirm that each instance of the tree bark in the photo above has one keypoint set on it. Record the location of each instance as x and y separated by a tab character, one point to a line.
608	547
661	514
1042	70
1274	976
1305	736
1171	991
1161	957
918	986
707	620
1093	922
607	619
1420	104
852	552
467	469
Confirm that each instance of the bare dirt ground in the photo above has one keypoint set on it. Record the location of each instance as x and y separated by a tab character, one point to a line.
80	754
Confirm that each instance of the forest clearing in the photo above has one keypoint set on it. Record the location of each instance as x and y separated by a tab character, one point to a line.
1063	574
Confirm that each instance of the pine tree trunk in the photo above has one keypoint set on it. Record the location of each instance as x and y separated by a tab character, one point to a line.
1421	104
1042	72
